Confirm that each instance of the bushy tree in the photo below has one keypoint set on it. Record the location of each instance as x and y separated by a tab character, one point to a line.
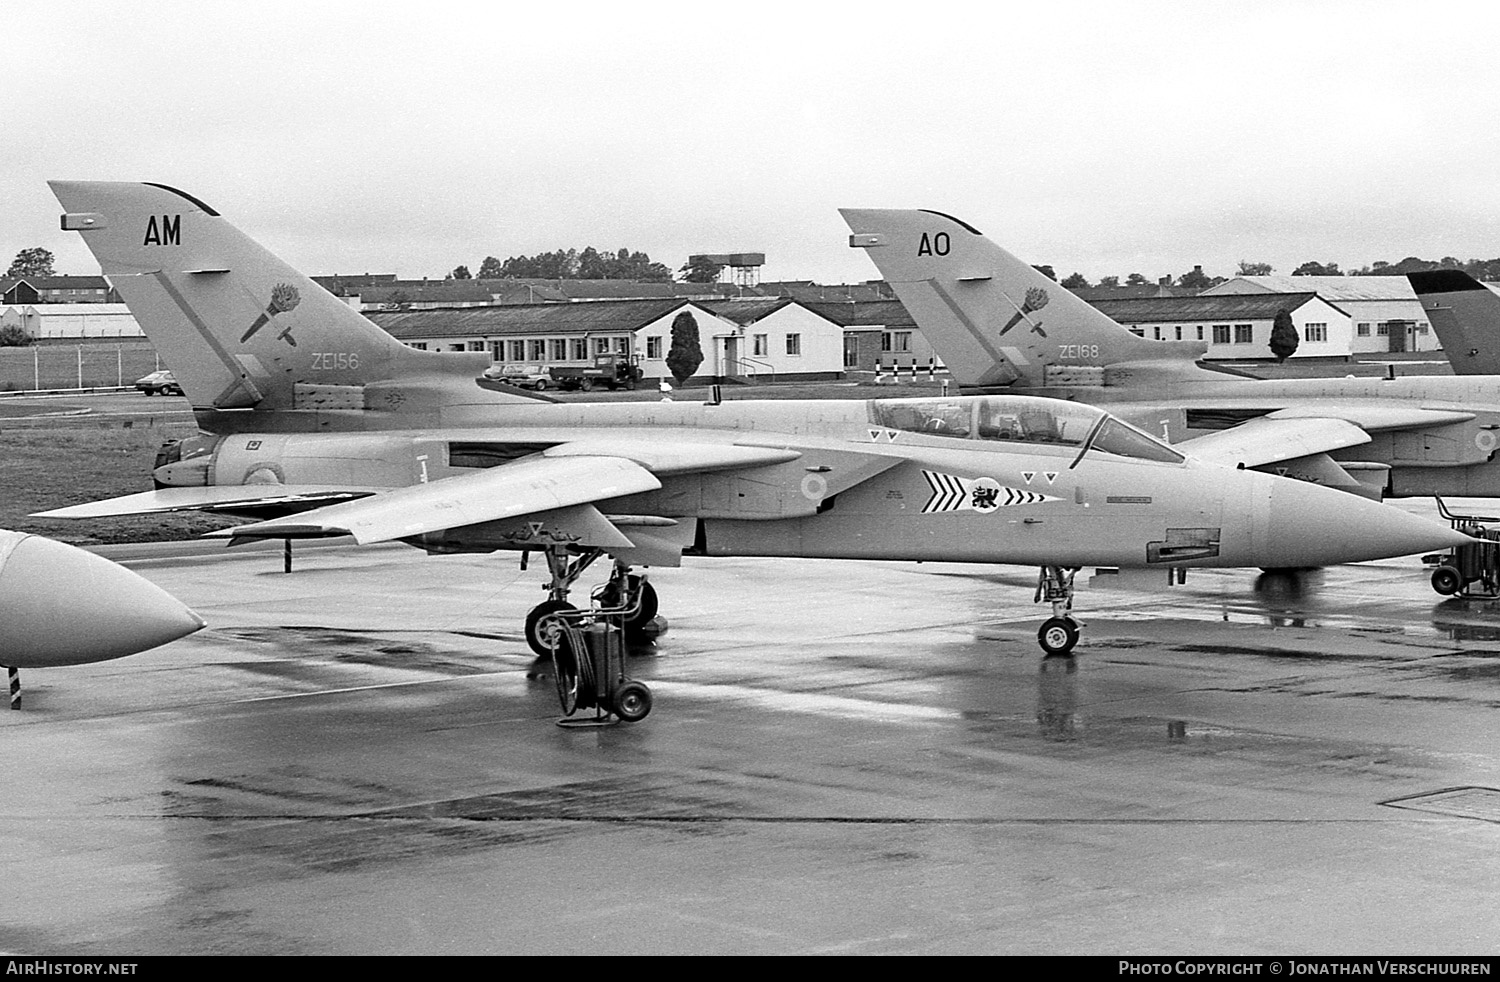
14	336
1255	269
490	268
1318	269
1196	279
32	262
1136	279
1047	271
460	273
1109	281
685	355
1076	281
1284	338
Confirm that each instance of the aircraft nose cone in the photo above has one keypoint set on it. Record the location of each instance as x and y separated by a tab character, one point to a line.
60	605
1316	526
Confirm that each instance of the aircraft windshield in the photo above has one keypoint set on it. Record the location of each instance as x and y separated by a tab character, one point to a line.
1021	420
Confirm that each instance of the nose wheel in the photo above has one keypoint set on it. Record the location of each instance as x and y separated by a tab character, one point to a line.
1058	634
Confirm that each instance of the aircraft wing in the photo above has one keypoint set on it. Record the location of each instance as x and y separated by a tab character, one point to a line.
523	487
1268	441
1300	431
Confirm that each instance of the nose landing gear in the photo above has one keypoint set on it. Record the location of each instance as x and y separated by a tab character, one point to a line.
1059	633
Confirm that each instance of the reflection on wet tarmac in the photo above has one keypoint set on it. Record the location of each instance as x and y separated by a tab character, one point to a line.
1468	619
1057	697
1285	596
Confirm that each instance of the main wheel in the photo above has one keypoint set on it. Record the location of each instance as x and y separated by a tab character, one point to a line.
1447	581
631	701
648	607
567	671
542	629
541	385
1057	635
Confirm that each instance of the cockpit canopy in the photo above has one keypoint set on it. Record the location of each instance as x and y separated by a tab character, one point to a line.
1024	421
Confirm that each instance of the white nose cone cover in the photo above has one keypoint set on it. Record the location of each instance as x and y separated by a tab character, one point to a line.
60	605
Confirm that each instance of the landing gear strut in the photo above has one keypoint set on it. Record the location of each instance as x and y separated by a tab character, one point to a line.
627	591
1058	633
542	625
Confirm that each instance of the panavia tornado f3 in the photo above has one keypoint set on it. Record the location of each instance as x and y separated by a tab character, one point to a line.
998	324
316	423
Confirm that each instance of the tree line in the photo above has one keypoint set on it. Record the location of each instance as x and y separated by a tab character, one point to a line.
571	264
1196	279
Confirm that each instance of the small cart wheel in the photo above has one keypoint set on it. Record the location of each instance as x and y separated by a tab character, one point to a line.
1057	635
542	629
1447	581
631	700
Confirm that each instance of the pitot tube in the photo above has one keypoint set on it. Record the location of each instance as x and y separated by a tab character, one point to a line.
1036	299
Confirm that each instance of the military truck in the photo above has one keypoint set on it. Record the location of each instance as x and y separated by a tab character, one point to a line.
608	371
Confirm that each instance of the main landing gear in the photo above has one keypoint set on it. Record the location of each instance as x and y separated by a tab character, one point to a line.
626	590
1059	633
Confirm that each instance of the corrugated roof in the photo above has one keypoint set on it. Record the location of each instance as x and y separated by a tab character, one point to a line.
1244	306
1333	288
869	313
746	312
613	316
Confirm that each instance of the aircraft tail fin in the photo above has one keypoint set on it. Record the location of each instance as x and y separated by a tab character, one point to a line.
995	320
1465	315
242	330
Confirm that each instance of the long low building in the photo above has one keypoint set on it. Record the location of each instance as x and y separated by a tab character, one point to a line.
1236	325
48	321
762	339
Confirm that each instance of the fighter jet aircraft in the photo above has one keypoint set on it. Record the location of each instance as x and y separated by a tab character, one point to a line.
317	423
998	324
60	605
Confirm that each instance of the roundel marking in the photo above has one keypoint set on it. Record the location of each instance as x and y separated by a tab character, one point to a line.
814	487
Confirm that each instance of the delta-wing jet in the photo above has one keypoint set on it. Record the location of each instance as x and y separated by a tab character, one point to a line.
998	324
316	423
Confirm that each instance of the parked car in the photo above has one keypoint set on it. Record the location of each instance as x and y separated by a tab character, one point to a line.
524	376
159	383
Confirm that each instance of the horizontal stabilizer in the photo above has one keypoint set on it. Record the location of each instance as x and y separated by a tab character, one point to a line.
222	498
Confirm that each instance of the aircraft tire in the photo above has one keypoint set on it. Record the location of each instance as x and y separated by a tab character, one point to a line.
631	701
1447	581
649	607
538	634
1057	635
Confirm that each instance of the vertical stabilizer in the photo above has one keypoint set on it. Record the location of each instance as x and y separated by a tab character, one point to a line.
1465	315
241	329
995	320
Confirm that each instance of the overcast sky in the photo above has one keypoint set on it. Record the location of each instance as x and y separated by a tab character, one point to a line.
1102	137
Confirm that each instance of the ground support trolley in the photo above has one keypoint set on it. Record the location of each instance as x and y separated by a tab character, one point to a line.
1478	562
588	657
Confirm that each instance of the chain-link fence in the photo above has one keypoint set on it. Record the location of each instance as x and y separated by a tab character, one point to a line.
75	366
